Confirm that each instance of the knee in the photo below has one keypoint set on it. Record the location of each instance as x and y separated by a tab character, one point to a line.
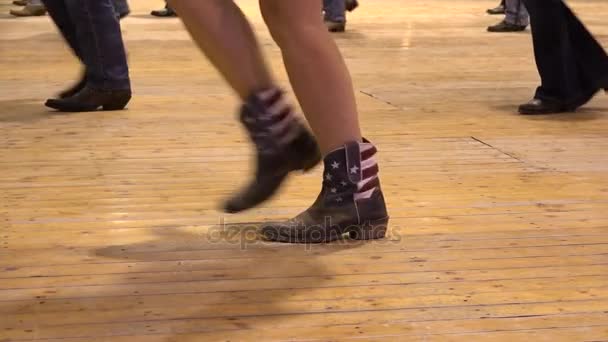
271	12
285	27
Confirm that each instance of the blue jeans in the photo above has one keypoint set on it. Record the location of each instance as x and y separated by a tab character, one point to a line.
92	29
516	13
335	10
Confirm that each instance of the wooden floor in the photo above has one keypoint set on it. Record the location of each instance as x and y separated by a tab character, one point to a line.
109	228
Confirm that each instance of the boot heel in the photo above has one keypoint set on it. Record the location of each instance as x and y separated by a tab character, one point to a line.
116	105
369	230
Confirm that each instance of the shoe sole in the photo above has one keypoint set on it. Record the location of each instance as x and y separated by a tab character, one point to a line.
77	109
544	112
31	14
369	230
506	31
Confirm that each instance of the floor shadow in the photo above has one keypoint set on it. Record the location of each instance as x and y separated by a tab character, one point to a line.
23	110
581	115
244	281
504	107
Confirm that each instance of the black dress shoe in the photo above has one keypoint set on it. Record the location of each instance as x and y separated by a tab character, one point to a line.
500	9
89	99
351	5
504	26
538	106
74	89
164	13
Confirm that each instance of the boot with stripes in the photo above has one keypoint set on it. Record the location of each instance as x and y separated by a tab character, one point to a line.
351	203
283	145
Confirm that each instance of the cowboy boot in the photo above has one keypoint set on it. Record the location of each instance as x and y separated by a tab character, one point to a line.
89	99
351	5
351	202
74	89
283	145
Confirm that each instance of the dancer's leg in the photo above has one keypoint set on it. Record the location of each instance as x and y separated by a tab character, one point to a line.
58	11
571	63
351	200
335	15
101	43
316	69
516	13
283	143
102	50
226	38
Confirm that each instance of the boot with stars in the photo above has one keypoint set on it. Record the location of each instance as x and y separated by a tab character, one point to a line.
283	145
350	203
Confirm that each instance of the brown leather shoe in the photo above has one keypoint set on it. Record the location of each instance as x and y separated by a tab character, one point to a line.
500	9
504	26
335	26
29	11
20	2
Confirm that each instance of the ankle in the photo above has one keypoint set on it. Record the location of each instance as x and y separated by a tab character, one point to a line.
338	144
270	118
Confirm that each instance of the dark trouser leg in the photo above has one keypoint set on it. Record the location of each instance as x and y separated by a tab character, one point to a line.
335	10
58	11
121	7
570	61
592	61
516	13
101	44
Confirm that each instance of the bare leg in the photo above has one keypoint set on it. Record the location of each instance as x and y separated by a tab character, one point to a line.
316	69
225	37
351	201
282	142
315	66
